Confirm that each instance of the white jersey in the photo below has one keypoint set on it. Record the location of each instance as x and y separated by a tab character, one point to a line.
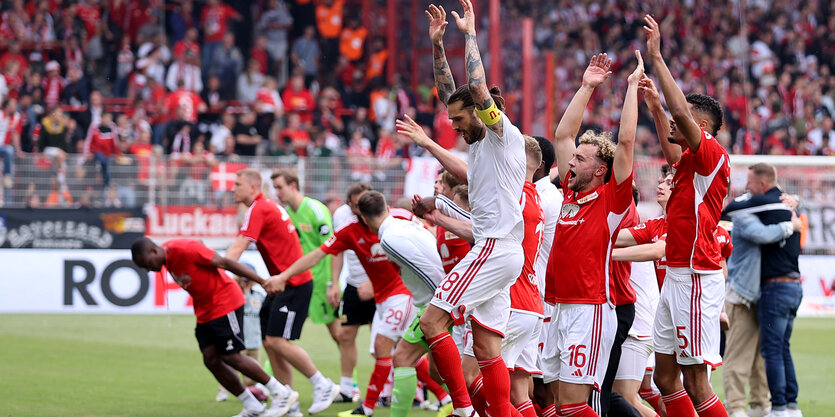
450	209
646	292
496	174
551	198
414	250
352	271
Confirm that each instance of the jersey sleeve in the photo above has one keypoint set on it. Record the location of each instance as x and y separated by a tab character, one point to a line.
620	195
642	233
200	253
449	208
253	223
710	155
337	243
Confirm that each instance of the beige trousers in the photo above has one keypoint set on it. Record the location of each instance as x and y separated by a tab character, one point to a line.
742	361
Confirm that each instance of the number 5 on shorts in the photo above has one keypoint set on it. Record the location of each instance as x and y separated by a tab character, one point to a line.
682	337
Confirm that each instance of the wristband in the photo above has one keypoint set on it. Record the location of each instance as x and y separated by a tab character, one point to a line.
490	115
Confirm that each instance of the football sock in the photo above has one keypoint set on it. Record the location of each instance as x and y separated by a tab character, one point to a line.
712	407
346	385
382	368
496	386
652	398
318	379
577	410
249	400
275	387
422	368
550	411
477	395
678	404
405	386
537	409
526	409
448	360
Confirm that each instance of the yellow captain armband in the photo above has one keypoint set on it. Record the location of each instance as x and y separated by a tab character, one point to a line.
490	115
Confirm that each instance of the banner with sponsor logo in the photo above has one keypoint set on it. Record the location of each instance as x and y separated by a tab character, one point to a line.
216	227
818	286
91	281
70	228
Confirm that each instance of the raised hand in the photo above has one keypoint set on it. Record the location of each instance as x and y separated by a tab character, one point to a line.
653	33
647	88
437	23
414	131
465	23
597	71
638	74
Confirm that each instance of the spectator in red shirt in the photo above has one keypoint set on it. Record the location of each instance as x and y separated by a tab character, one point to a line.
295	135
260	54
214	20
13	54
90	15
103	143
298	99
188	43
219	307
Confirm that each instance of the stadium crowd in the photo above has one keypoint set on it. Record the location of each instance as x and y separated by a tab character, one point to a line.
308	79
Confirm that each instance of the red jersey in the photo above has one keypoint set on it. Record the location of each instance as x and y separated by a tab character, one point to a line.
524	293
652	231
214	20
188	100
358	237
10	125
700	184
269	226
103	140
723	242
300	102
215	294
451	248
588	225
53	87
622	291
185	45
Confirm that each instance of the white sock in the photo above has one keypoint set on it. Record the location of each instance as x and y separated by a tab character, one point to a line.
275	387
249	400
318	379
346	385
367	410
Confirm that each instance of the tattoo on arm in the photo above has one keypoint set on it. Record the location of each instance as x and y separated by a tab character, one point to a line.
443	75
475	73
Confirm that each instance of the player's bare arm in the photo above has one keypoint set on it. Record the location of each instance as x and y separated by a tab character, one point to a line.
236	268
622	165
460	228
475	69
672	152
676	101
276	283
625	239
333	293
566	133
455	165
443	75
237	248
640	253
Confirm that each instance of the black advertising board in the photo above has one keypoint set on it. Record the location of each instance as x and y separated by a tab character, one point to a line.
103	228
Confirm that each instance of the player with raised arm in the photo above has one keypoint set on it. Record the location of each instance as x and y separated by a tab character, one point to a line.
394	301
218	305
477	289
584	320
686	329
268	225
411	247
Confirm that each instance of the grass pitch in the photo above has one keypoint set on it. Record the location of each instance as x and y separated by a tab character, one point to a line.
121	365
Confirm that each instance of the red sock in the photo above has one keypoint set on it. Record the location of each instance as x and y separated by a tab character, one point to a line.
537	408
382	368
496	386
577	410
652	398
550	411
446	356
712	408
526	409
678	404
477	396
422	368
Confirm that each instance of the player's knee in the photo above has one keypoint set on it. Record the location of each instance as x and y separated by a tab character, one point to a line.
666	383
430	328
212	361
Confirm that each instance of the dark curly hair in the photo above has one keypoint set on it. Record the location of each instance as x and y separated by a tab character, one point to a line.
709	107
463	95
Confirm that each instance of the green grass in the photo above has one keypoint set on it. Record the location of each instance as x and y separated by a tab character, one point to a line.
120	365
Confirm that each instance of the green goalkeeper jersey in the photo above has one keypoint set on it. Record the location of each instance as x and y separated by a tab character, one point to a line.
314	226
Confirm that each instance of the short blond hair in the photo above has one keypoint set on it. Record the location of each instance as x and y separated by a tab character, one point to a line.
252	175
604	143
533	149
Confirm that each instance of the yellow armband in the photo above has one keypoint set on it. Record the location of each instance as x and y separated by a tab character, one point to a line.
490	115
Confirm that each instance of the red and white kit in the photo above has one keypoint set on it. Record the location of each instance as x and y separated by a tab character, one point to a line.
687	321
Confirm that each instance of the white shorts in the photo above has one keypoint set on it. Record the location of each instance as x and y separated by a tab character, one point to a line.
478	288
393	317
463	337
634	358
687	319
543	336
580	339
520	347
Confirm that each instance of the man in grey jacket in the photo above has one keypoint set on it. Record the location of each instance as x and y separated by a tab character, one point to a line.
742	358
